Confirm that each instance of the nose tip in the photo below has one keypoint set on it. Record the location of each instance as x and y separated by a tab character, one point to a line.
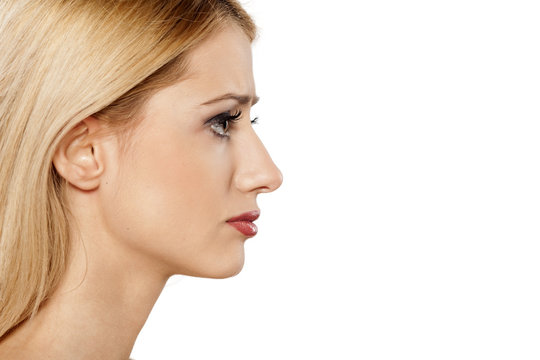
256	171
273	182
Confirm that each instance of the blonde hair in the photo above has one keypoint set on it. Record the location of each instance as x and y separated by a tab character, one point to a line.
62	61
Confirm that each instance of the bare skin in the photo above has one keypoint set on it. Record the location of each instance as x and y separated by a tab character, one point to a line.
157	209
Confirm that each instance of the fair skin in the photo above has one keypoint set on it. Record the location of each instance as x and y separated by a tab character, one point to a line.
156	209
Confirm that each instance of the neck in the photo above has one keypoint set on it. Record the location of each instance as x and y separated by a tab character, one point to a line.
98	309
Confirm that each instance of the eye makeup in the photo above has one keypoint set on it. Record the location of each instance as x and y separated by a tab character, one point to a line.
222	123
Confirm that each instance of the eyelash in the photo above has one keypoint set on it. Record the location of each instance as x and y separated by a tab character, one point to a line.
226	118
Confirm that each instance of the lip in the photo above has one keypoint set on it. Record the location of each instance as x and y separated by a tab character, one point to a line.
247	216
244	222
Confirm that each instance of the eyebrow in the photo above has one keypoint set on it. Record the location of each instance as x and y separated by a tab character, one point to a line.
241	99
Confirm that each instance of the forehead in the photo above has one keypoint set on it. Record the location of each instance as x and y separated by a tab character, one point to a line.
221	63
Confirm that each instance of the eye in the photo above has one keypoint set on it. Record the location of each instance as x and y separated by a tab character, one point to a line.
222	123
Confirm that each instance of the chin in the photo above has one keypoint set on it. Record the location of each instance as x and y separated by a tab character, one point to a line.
221	267
221	273
225	274
227	269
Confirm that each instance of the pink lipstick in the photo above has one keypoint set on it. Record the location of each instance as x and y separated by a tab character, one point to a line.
244	222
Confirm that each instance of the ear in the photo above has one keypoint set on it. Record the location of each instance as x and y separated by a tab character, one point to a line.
78	158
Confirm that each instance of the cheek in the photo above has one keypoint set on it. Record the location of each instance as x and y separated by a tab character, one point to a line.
171	197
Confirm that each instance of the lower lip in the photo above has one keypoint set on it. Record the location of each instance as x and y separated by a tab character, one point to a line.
245	227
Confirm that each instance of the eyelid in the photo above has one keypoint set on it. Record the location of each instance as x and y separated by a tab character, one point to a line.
225	120
226	115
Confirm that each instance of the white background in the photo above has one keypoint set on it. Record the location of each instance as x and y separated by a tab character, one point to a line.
407	226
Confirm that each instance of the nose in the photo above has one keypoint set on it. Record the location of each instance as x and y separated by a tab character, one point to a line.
255	170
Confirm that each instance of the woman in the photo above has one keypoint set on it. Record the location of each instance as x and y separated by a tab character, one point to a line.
127	155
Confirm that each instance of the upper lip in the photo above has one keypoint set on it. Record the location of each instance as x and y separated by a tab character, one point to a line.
251	215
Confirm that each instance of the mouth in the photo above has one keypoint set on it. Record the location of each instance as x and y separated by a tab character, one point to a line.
244	222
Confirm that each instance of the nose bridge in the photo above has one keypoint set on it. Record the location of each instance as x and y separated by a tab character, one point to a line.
255	170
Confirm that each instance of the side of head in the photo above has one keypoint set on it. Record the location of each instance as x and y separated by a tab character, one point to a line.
62	62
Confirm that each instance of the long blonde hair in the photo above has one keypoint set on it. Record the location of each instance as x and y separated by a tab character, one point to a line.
60	62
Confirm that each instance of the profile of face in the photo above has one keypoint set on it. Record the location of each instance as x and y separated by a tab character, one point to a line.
192	163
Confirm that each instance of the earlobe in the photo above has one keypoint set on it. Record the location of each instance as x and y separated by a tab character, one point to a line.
78	159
